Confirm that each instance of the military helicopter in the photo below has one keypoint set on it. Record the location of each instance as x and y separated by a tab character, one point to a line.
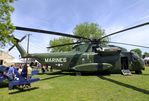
87	55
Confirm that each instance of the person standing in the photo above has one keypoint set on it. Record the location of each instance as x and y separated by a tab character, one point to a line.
29	71
11	73
43	69
20	70
24	71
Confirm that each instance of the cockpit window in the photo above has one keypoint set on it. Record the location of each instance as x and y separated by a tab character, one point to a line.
135	56
81	47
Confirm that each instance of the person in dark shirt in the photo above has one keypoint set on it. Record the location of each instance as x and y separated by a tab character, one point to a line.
24	71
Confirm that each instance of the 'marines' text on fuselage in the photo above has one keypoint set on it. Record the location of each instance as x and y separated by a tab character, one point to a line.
56	60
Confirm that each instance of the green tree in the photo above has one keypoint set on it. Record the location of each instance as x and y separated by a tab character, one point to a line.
138	51
59	41
89	30
146	54
6	27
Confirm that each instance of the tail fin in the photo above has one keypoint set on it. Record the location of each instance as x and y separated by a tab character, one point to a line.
21	50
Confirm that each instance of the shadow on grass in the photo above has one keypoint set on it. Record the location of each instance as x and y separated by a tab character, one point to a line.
145	74
95	74
3	85
74	73
125	85
24	90
51	77
83	73
51	73
61	74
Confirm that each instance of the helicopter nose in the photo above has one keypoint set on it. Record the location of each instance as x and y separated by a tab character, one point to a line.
142	64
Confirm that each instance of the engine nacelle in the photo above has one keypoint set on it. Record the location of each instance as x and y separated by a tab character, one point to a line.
92	67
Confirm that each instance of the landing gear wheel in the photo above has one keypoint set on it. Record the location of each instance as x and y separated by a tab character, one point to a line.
78	73
138	72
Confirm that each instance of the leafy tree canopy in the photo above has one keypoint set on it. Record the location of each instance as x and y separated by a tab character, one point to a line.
146	54
88	30
6	27
59	41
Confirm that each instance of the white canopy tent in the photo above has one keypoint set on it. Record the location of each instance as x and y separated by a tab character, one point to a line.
17	61
146	58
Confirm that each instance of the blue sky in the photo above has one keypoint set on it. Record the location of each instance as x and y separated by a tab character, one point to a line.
64	15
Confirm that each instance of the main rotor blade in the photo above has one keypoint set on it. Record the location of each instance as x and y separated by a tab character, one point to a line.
140	25
48	32
64	45
129	44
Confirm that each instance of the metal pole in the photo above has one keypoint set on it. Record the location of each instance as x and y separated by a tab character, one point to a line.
28	45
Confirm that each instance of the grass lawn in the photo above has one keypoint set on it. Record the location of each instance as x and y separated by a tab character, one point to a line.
60	87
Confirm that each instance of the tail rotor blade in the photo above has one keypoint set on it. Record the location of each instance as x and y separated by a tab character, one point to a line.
17	40
11	48
22	38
